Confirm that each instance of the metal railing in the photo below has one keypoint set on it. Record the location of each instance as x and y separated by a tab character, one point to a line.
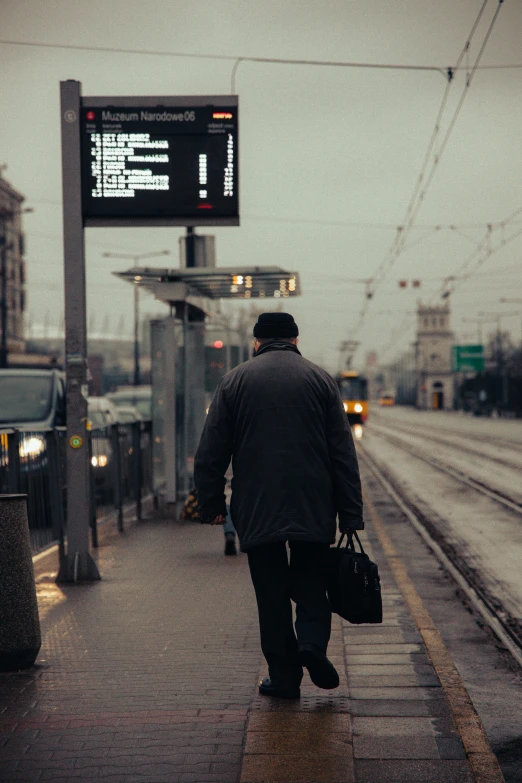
33	462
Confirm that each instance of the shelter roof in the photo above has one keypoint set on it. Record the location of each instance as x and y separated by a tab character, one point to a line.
218	283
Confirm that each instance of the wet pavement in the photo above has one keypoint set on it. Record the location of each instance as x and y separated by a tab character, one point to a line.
150	676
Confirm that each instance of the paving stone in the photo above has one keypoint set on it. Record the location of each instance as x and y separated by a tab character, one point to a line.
392	637
309	769
384	649
299	743
412	771
305	723
394	727
387	659
400	707
415	747
395	681
395	693
450	748
384	669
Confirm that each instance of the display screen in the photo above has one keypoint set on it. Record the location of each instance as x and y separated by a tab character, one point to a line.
160	162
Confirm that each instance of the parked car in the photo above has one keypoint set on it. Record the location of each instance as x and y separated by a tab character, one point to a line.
127	414
138	396
32	399
102	414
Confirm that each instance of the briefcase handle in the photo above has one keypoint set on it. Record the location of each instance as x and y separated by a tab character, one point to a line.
349	541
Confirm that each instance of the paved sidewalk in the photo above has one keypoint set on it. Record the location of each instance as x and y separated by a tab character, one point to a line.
145	676
389	722
150	676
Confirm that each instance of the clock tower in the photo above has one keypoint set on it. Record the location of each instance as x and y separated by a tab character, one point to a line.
433	351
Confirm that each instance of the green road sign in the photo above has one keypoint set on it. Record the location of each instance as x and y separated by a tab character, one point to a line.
467	358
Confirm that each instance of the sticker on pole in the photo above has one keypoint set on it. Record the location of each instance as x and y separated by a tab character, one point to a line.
76	442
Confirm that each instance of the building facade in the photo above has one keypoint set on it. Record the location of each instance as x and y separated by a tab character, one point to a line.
433	358
12	267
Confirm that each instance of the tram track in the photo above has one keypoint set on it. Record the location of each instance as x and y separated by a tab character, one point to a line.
505	626
435	437
485	489
435	432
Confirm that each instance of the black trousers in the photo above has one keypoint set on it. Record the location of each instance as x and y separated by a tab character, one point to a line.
278	581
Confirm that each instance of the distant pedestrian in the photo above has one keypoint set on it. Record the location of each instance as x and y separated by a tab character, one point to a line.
281	420
230	534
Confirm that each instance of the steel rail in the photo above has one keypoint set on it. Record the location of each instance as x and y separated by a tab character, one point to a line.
466	449
497	621
510	444
478	486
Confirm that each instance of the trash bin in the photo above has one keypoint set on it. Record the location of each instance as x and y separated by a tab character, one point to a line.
20	637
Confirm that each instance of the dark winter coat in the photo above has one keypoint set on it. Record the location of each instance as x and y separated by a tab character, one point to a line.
281	419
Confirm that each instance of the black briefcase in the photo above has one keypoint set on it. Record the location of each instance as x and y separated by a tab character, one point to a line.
354	586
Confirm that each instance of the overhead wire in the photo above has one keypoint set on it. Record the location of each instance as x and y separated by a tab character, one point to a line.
245	58
418	194
485	250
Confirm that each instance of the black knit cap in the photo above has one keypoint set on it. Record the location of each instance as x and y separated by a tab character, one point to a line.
274	325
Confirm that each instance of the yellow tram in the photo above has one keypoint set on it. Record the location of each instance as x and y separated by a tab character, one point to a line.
354	393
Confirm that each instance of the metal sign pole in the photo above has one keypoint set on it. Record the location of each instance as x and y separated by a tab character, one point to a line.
76	564
137	380
3	271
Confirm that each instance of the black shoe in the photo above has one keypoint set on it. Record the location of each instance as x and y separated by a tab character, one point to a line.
322	672
230	546
267	688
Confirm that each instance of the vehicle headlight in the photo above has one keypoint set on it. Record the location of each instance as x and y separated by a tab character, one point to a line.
32	446
358	431
345	406
100	461
358	407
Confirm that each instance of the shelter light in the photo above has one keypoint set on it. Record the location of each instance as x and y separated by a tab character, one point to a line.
292	284
233	289
248	281
238	279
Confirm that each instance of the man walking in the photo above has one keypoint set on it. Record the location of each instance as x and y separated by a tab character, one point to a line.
281	420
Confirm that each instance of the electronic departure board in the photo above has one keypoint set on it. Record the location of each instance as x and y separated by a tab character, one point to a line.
170	163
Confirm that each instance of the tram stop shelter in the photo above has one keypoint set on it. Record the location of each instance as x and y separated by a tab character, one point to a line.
178	355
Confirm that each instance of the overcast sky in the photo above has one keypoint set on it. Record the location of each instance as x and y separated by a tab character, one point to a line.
329	156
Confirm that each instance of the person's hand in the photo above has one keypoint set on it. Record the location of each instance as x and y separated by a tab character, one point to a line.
346	529
219	520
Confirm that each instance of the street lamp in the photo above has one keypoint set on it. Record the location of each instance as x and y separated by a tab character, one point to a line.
137	258
5	214
512	301
501	359
479	322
